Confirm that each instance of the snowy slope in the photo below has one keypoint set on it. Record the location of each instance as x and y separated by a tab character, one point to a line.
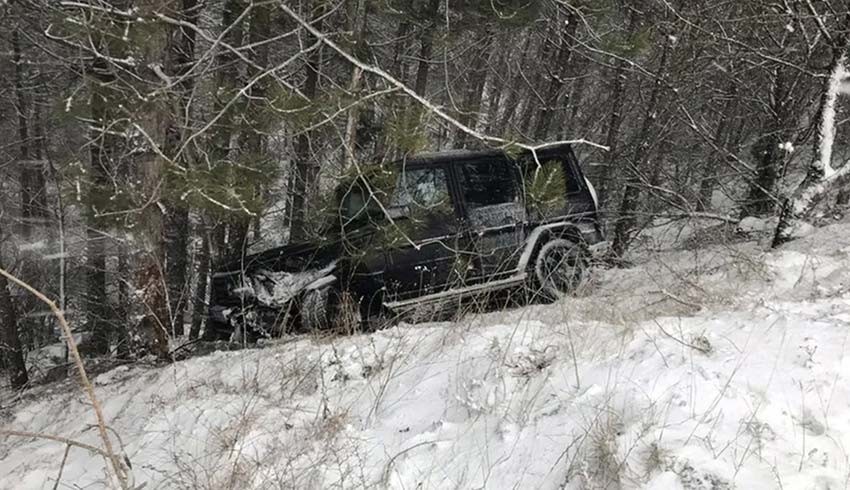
723	367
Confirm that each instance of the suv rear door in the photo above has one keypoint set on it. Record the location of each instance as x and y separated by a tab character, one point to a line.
554	185
494	214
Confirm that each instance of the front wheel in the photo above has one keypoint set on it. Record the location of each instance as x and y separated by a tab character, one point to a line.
329	308
558	268
318	307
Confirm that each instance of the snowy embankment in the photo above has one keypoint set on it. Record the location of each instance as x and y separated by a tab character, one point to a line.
722	367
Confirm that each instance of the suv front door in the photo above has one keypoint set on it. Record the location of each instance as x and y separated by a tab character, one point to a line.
422	237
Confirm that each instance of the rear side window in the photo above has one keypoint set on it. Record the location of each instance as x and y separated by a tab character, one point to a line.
550	176
487	183
548	184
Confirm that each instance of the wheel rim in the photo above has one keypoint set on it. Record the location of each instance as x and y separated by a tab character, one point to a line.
560	269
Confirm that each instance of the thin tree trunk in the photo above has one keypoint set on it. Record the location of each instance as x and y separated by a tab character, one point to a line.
555	84
769	155
615	117
399	69
123	348
10	343
224	135
721	139
358	32
306	169
21	107
199	303
631	196
576	96
181	56
102	148
474	90
514	92
159	123
427	45
821	177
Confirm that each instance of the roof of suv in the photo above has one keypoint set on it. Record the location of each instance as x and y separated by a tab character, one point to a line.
461	155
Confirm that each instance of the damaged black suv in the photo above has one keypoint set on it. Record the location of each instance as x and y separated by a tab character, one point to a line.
421	231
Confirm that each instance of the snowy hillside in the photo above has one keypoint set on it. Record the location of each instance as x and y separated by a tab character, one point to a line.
713	368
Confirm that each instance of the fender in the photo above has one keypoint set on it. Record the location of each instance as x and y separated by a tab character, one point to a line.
568	229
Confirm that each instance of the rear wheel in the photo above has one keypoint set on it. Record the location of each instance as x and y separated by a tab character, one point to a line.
558	269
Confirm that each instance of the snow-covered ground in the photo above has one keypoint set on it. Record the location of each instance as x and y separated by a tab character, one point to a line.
709	368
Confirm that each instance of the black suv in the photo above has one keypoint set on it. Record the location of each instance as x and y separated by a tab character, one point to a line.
420	231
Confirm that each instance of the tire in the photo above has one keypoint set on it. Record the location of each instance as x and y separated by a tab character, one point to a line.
558	269
318	309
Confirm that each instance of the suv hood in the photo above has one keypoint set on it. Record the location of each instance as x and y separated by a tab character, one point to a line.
273	277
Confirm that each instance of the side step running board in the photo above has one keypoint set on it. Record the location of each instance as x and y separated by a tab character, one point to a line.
403	305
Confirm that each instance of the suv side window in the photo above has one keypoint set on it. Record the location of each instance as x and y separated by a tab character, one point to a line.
421	190
548	184
552	175
487	183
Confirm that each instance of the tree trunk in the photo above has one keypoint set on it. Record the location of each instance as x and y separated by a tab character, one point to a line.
474	92
21	107
199	303
10	343
224	133
631	196
577	91
427	45
306	169
555	84
820	177
124	317
382	152
770	157
358	29
102	149
615	117
512	102
181	56
159	123
721	140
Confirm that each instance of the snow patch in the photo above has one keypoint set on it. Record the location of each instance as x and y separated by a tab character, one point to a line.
630	387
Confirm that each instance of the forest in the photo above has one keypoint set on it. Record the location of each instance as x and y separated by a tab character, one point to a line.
147	141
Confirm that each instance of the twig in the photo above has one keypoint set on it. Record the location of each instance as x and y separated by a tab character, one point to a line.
84	379
388	468
680	300
51	437
686	344
417	97
62	466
